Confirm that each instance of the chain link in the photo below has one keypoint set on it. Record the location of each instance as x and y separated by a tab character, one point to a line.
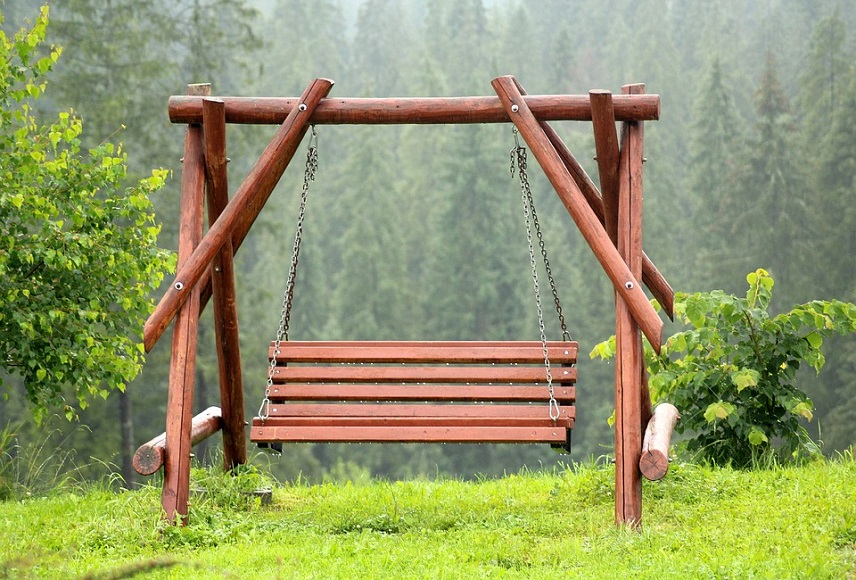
288	295
518	162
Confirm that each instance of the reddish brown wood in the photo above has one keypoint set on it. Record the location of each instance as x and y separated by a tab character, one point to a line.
417	374
150	455
636	178
395	111
622	278
630	362
654	462
382	434
373	411
434	423
223	287
274	110
651	276
179	409
432	392
482	352
659	286
354	389
646	410
606	145
241	212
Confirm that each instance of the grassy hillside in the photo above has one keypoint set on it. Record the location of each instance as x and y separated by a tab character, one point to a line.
699	523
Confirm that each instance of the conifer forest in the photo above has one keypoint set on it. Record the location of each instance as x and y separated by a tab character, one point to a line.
416	232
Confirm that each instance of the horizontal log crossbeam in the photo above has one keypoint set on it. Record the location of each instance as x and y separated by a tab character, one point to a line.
398	111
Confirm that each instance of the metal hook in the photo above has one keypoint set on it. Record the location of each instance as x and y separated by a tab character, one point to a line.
516	132
516	152
555	412
313	137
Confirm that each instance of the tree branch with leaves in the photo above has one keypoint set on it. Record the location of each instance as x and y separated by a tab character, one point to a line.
78	252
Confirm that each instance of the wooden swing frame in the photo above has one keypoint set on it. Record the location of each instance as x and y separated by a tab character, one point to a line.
609	218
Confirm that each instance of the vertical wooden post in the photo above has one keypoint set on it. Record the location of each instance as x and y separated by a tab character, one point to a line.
179	408
630	363
606	145
223	288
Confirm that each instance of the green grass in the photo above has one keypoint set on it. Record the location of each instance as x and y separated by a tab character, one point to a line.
698	523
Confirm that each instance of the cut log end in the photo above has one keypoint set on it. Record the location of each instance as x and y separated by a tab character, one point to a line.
150	456
654	462
654	465
148	459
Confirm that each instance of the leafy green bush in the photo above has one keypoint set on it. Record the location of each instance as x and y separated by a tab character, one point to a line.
733	375
78	253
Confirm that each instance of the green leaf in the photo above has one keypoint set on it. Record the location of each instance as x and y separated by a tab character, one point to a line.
757	437
803	409
697	313
814	339
718	411
605	350
745	378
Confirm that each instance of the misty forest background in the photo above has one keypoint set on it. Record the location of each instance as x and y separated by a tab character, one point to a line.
416	232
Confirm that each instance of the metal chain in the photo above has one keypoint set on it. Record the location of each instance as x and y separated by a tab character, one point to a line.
518	158
527	192
566	335
288	295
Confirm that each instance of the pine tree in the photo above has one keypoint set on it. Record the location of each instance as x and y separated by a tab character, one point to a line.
309	36
775	211
718	254
824	80
382	48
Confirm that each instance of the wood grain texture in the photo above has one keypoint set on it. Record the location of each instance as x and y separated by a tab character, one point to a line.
606	145
397	111
629	359
427	393
179	410
149	457
654	462
222	273
651	276
483	352
446	391
425	434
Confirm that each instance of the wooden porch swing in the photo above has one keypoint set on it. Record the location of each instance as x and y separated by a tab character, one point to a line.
420	392
521	392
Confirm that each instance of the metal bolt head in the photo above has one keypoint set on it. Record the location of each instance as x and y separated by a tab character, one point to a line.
179	286
628	285
514	108
302	107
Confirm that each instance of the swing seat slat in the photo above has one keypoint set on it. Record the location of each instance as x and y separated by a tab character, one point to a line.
427	393
413	434
451	412
438	352
449	392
